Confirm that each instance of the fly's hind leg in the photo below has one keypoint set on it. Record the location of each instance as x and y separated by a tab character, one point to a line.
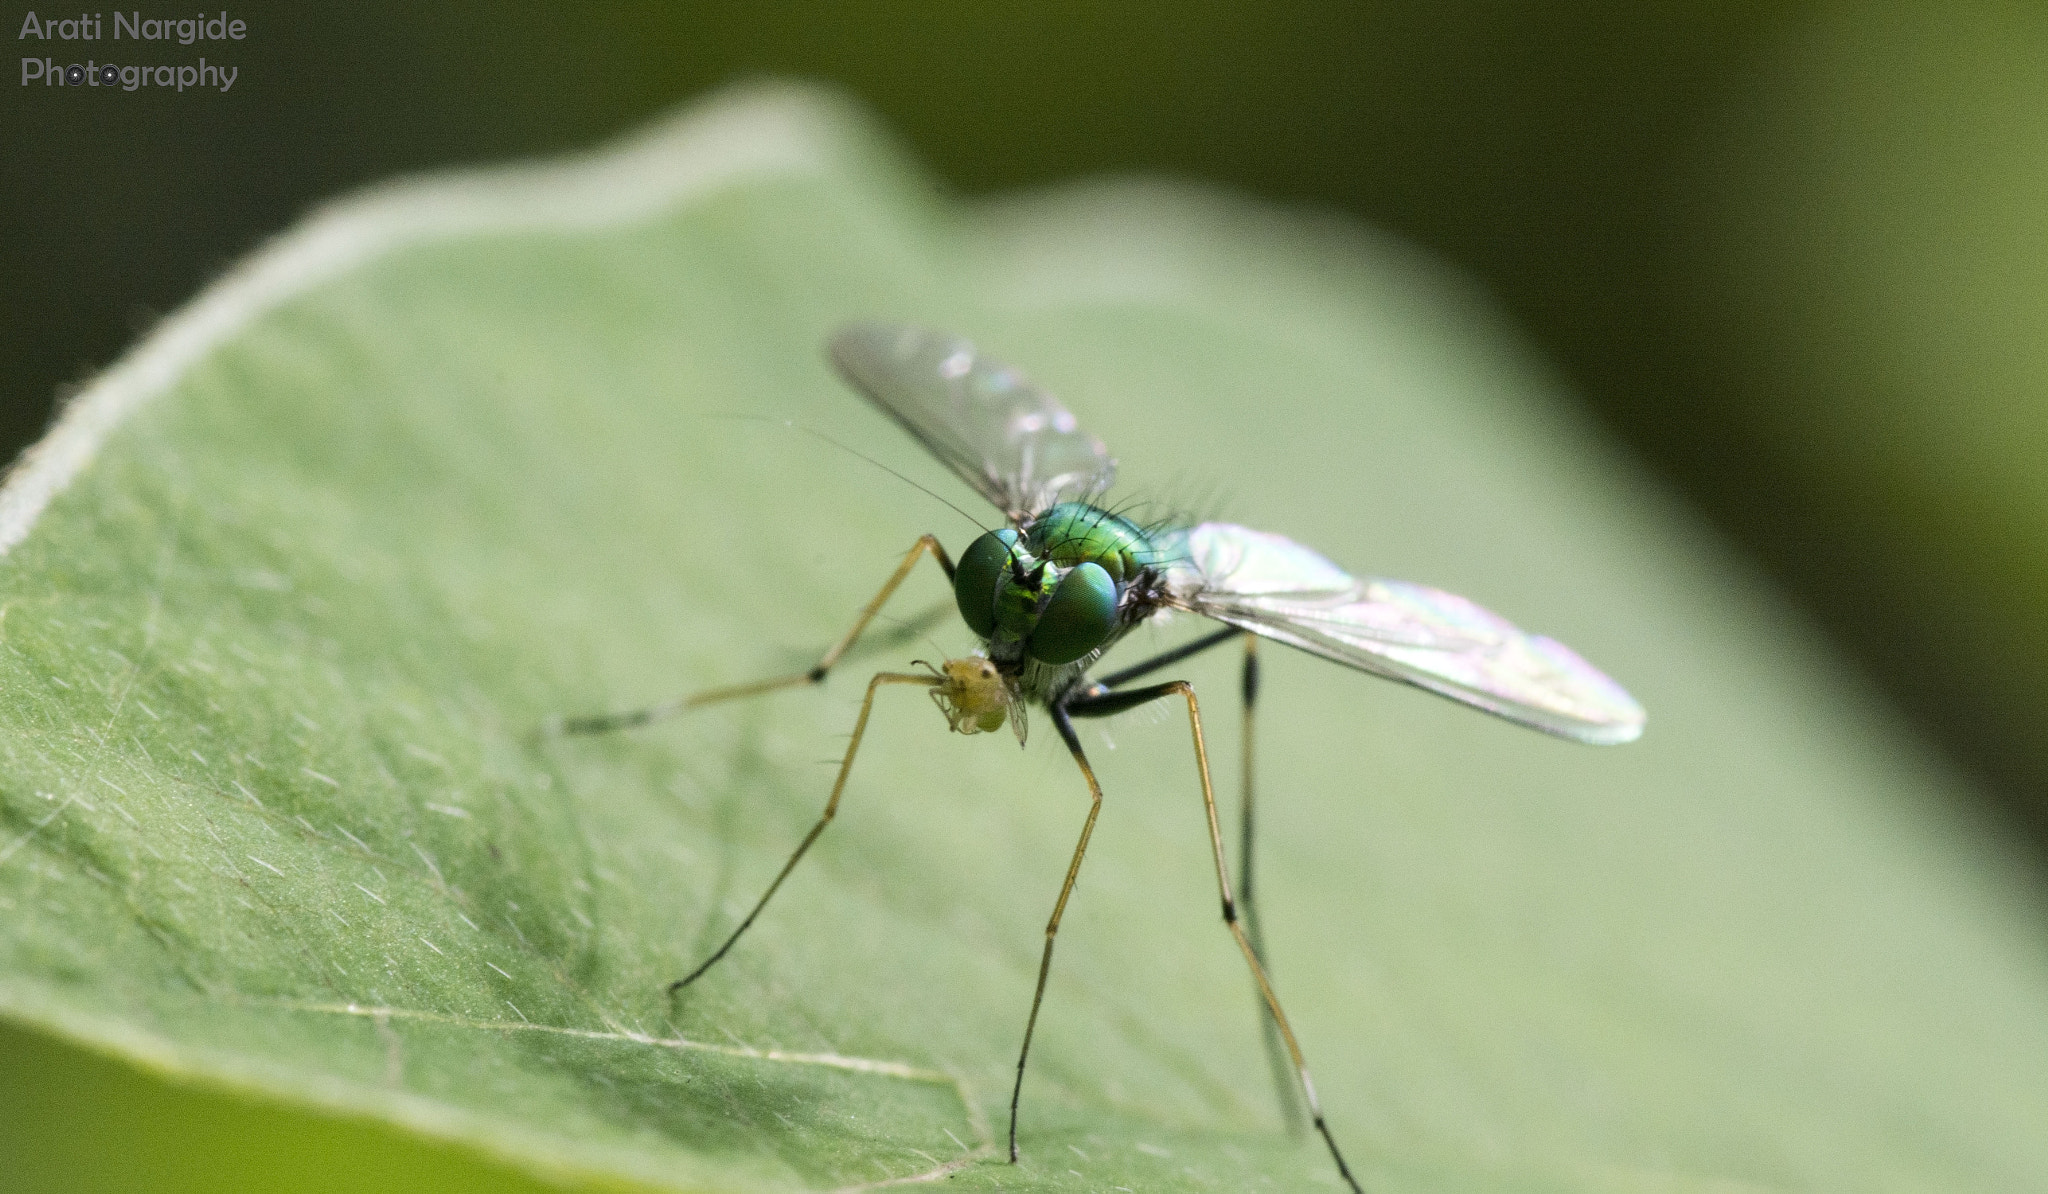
605	722
1284	1088
1105	704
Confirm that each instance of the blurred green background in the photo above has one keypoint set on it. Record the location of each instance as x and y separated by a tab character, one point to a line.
1795	254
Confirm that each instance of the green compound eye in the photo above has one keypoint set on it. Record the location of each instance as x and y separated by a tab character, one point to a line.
1079	617
979	576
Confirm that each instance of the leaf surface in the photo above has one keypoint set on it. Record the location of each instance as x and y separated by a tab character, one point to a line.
317	560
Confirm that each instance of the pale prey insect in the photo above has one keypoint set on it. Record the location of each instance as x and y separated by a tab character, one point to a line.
1064	579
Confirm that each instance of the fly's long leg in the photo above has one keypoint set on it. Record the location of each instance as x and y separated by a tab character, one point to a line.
1276	1056
1105	704
860	727
1284	1085
1147	667
1059	907
605	722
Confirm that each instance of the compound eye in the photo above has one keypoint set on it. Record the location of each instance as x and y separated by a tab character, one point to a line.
1079	617
979	577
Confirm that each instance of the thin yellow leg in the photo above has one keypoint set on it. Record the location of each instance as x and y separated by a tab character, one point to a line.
860	727
1103	704
1244	945
605	722
1059	909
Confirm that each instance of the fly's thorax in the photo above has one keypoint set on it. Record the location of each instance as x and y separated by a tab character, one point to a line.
1055	592
1072	533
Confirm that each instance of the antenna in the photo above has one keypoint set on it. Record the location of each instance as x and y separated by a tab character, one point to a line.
793	425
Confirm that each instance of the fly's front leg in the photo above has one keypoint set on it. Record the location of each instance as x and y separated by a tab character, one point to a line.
1059	907
605	722
1105	704
860	727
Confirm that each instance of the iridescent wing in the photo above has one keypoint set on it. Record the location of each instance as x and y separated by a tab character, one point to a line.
1019	724
1277	588
1009	439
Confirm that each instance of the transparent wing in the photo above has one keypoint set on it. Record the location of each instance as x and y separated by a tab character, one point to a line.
1277	588
1009	439
1019	725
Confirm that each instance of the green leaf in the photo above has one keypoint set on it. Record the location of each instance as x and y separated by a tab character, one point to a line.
320	556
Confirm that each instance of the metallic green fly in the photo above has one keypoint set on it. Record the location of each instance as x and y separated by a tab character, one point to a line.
1065	579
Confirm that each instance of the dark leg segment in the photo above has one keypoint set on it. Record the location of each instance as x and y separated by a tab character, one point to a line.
1099	706
605	722
1276	1056
860	727
1164	659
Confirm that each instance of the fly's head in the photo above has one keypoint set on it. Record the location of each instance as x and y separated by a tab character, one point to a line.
1029	608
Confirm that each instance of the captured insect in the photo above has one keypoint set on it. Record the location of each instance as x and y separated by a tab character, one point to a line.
1065	579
